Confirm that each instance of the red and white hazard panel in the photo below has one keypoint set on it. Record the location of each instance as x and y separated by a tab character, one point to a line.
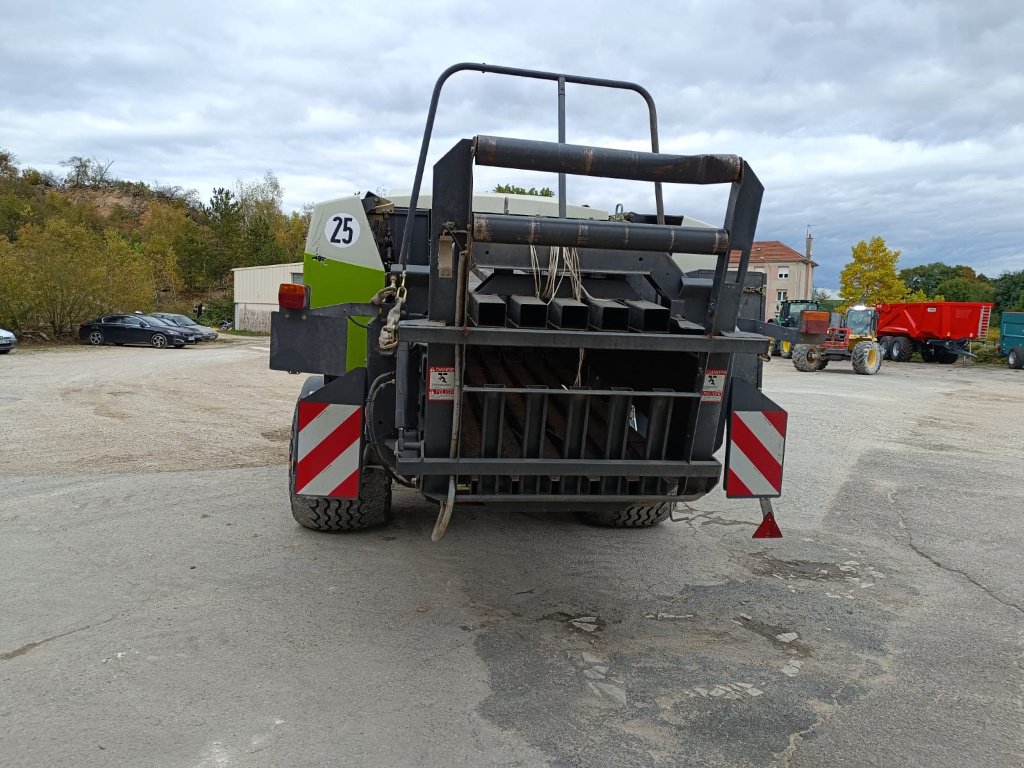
757	445
328	450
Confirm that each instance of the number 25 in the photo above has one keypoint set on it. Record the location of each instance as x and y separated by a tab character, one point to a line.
343	224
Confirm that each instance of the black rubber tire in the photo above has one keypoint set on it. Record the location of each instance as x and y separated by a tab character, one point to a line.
1015	358
822	363
4	351
886	344
902	349
319	513
945	357
866	358
158	341
96	338
636	516
929	354
806	358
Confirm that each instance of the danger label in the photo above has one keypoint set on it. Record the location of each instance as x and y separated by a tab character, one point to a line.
714	386
441	383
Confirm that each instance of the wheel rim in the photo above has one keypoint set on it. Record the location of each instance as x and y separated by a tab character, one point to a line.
872	358
159	341
786	347
95	337
813	356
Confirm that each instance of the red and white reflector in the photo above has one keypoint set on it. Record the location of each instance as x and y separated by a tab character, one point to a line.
757	445
328	450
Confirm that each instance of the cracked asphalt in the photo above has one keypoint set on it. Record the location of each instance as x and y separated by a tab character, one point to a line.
160	607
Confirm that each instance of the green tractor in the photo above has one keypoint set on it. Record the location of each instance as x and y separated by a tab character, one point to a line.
856	340
788	316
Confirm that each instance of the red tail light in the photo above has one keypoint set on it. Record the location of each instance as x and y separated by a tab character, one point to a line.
293	296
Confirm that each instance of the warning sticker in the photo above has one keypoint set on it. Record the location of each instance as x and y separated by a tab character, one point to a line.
441	383
714	385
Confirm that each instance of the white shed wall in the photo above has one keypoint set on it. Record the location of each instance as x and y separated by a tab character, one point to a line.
256	293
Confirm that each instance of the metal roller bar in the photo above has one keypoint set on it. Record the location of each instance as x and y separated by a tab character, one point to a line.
580	233
527	155
728	343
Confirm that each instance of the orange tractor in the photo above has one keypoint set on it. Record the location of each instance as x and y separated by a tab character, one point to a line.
856	340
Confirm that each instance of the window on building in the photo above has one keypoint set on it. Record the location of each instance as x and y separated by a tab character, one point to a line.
297	278
780	295
783	273
759	269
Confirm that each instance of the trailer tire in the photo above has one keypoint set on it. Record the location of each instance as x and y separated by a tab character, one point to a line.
806	358
320	513
866	358
635	516
886	344
1015	358
901	349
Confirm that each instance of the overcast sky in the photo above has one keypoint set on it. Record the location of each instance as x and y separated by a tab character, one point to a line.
896	118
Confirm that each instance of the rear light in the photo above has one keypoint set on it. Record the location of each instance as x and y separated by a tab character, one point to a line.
293	296
83	325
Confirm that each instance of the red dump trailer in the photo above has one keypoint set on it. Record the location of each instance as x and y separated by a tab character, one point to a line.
938	330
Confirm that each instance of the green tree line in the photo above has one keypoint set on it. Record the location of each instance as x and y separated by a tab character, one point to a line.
871	277
87	243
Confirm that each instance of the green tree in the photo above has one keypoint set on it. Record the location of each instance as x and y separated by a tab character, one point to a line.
870	276
964	289
224	215
512	189
926	277
1009	291
73	272
15	305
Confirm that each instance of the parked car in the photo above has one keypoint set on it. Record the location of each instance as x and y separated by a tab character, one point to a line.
7	341
134	329
184	321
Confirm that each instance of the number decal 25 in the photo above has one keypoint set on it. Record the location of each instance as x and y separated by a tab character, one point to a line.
342	230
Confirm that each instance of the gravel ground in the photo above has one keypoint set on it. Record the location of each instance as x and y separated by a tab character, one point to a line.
160	607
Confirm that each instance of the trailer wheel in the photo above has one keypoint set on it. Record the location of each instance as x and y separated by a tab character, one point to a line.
901	349
636	516
320	513
1015	358
807	358
886	344
866	358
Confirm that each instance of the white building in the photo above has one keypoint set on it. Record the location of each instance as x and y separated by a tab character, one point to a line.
256	293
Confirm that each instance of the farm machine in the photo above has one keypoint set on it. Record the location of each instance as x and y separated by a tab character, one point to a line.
512	353
855	340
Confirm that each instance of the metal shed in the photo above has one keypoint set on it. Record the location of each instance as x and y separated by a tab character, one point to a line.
256	293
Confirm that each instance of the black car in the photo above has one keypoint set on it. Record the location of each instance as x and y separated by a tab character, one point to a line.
134	329
204	332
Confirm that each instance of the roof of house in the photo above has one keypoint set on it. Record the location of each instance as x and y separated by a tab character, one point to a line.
775	251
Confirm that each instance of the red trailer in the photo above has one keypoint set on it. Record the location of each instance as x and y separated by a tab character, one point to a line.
938	330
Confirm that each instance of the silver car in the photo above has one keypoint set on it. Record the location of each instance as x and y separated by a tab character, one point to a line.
7	341
203	332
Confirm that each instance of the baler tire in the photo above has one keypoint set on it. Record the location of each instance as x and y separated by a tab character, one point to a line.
901	349
635	516
1015	358
886	344
866	358
320	513
806	358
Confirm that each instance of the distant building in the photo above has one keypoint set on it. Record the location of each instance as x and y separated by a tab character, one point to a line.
790	273
256	293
